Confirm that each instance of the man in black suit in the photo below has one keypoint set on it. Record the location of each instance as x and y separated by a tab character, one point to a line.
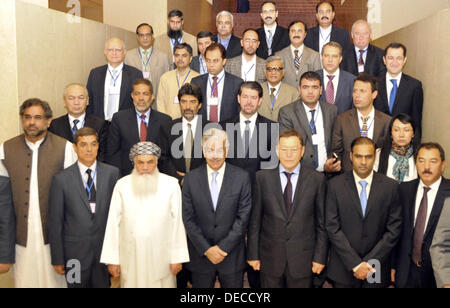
361	56
219	88
109	86
198	64
76	100
225	37
216	209
139	123
363	220
398	92
318	36
7	226
273	37
423	200
287	240
78	211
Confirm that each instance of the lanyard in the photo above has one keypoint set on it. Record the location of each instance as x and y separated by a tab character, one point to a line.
202	67
172	42
313	124
115	79
368	129
324	40
178	83
89	188
275	96
215	88
245	74
148	60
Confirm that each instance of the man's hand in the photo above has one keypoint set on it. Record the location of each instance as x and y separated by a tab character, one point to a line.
215	254
59	269
332	165
114	270
255	264
182	174
393	275
175	268
317	268
447	286
363	271
4	268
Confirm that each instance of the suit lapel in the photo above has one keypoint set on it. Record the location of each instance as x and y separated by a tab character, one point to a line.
443	192
302	185
276	184
369	59
351	187
100	188
132	119
374	193
304	123
226	183
123	86
315	36
402	88
377	127
66	127
203	181
339	93
152	127
76	174
354	123
326	123
239	66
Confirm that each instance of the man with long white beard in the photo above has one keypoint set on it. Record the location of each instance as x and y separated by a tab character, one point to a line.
145	240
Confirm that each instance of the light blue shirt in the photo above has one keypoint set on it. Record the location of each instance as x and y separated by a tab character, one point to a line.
294	178
225	42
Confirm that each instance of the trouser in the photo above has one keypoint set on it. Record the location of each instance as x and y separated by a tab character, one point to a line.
285	280
207	280
420	277
95	276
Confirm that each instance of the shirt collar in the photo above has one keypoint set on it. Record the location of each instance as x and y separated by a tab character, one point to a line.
277	87
221	171
147	114
252	61
83	167
119	68
274	28
193	122
389	77
357	49
252	119
142	49
367	179
225	40
300	49
219	76
335	74
434	186
35	145
326	31
296	170
80	118
307	109
371	114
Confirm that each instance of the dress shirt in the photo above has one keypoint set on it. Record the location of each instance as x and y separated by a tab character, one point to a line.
431	196
221	78
80	124
184	124
224	42
219	177
138	117
335	81
248	69
364	53
358	186
203	69
266	30
83	168
300	52
389	85
324	37
141	53
320	132
294	178
108	82
252	124
370	122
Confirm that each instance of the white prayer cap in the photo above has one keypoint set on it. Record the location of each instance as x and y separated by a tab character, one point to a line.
144	148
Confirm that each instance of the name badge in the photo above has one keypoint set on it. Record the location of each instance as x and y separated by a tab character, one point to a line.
360	68
92	204
175	100
146	75
315	139
214	101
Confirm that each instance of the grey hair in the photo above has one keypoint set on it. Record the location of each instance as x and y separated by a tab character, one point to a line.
75	84
225	13
215	134
274	58
359	21
115	38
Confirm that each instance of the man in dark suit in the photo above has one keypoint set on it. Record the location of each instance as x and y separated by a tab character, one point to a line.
198	64
313	120
76	100
398	92
225	37
363	121
361	56
216	209
318	36
109	86
219	88
363	220
423	200
7	226
139	123
78	211
337	84
287	240
273	37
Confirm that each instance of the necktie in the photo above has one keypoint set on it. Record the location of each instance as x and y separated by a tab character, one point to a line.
312	126
392	95
296	60
213	109
188	148
330	89
113	98
269	43
214	189
272	96
93	193
143	129
364	130
363	196
361	59
288	193
419	228
75	128
247	138
146	54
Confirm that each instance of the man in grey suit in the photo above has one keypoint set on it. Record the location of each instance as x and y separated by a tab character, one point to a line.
151	61
7	226
313	120
247	66
78	210
440	248
337	84
363	121
298	58
216	209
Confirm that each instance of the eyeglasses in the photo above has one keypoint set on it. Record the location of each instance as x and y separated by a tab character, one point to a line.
248	41
276	69
114	50
224	23
142	35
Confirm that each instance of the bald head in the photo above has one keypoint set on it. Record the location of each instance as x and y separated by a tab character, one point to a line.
76	99
115	51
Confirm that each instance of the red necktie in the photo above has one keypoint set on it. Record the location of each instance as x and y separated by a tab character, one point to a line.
330	90
143	128
213	109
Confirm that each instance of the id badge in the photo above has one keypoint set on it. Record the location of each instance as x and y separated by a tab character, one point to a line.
213	101
175	100
92	204
315	139
146	75
360	68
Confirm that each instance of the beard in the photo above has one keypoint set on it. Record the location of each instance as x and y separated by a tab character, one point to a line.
145	184
175	34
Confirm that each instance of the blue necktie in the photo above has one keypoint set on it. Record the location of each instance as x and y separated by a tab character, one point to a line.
214	189
312	126
363	196
393	95
75	128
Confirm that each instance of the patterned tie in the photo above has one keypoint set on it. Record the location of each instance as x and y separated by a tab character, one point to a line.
296	60
363	196
288	193
330	89
92	197
75	128
361	59
269	43
214	189
145	64
364	130
272	96
188	148
213	109
143	128
392	95
312	126
419	229
247	138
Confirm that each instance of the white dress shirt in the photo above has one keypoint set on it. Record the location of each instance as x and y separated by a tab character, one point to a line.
221	82
389	85
80	118
219	177
320	132
431	196
370	122
139	120
112	88
359	187
252	124
335	81
364	55
294	178
83	168
248	69
184	124
324	37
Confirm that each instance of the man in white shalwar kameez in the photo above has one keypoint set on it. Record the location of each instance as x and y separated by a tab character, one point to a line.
145	241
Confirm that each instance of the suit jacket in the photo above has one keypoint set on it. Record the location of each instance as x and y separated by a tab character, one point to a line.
159	64
280	41
337	35
409	99
162	42
229	105
355	238
297	239
234	66
61	127
234	47
74	232
195	64
440	248
262	154
344	94
346	129
408	192
124	133
7	223
96	89
224	227
293	116
286	95
310	62
374	64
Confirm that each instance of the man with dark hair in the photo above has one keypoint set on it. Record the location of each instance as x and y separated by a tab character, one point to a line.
298	58
78	210
423	200
225	37
325	32
398	92
30	161
272	36
175	35
363	220
171	82
204	39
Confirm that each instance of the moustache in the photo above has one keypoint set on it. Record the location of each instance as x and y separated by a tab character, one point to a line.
268	17
297	37
325	18
427	172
